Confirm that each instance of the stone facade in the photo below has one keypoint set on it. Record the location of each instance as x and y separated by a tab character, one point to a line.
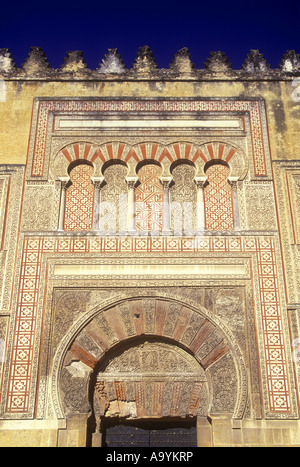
149	248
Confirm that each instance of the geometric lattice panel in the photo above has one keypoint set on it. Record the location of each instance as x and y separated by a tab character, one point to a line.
218	199
80	199
149	199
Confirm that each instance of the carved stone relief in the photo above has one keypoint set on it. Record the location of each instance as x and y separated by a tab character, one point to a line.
229	304
183	198
285	188
224	376
113	200
3	197
125	376
260	207
68	307
78	248
40	208
294	313
3	333
12	178
294	191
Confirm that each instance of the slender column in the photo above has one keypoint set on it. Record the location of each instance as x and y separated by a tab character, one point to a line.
236	214
63	190
131	182
166	220
200	216
98	183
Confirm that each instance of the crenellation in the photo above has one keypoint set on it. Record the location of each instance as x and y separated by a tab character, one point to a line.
217	62
145	61
290	62
255	63
7	63
36	63
217	66
112	63
181	62
74	62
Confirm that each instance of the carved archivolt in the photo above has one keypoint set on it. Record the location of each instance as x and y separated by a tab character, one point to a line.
198	155
125	353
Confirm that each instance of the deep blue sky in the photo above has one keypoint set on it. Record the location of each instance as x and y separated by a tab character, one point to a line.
233	27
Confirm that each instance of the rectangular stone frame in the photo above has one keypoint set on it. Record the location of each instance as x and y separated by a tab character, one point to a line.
28	305
285	175
45	109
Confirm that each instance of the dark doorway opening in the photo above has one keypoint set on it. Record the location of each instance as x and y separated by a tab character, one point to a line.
149	433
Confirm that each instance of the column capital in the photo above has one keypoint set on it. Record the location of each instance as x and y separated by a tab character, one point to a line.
132	181
233	182
166	182
64	182
200	182
98	182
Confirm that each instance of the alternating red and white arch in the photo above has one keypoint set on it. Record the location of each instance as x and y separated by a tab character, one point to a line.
149	150
215	150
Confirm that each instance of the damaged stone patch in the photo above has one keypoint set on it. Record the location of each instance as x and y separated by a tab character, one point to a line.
124	409
117	407
77	369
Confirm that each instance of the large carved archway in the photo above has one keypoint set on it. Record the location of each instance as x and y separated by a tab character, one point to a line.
215	371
